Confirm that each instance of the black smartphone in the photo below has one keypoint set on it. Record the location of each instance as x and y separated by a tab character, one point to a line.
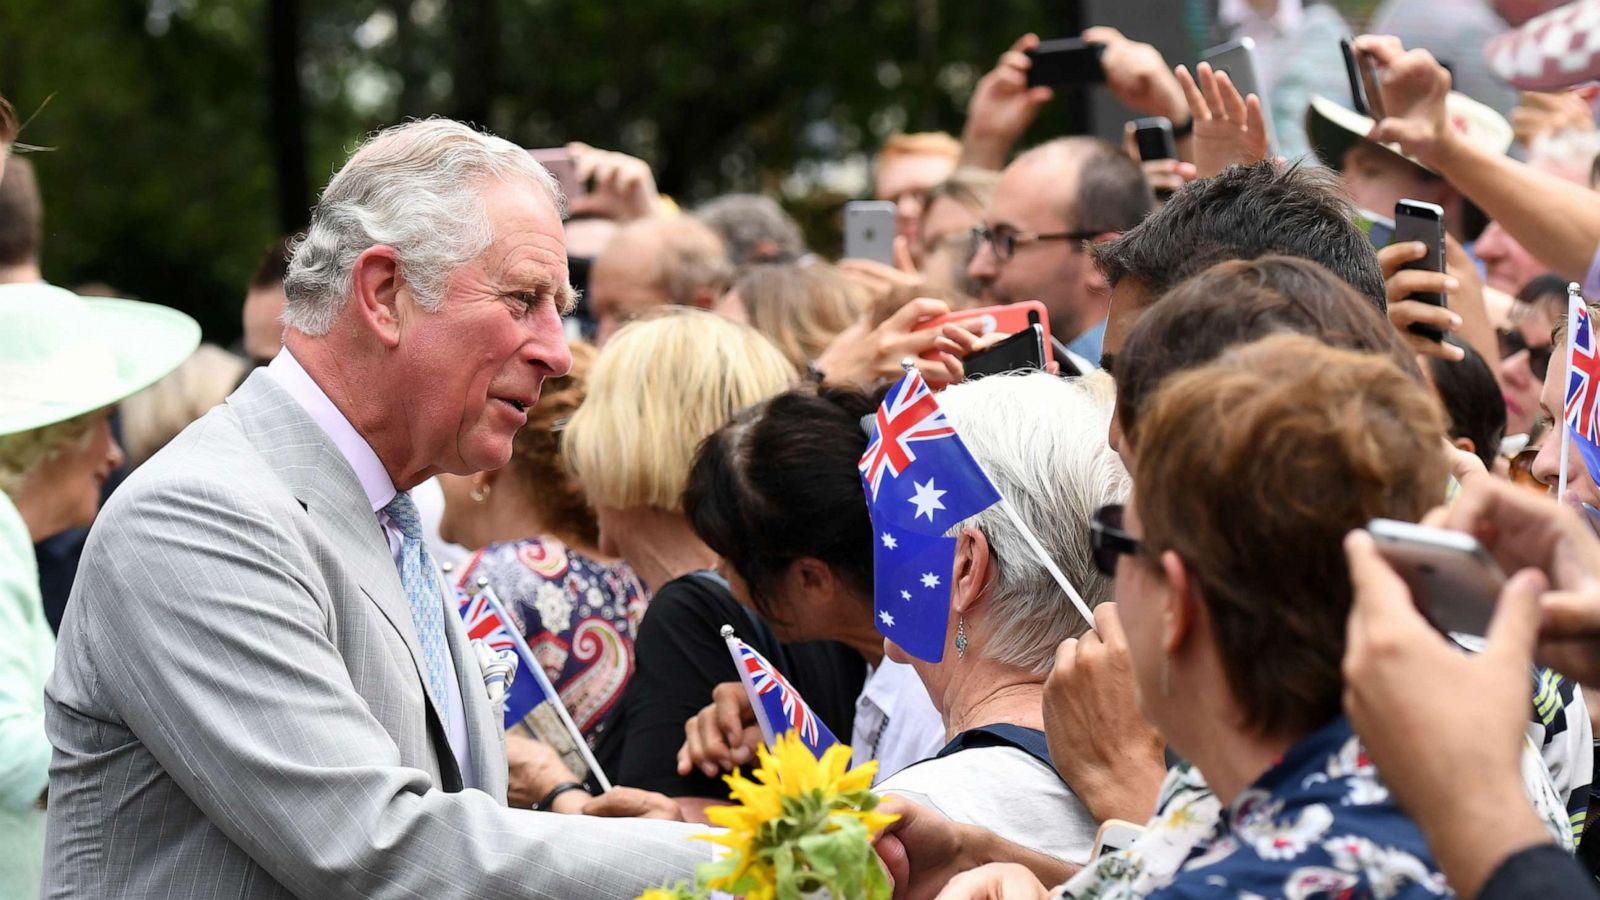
1066	61
1418	221
1362	71
1154	137
1023	350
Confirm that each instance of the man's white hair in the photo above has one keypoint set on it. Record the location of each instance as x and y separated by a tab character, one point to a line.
416	187
1042	440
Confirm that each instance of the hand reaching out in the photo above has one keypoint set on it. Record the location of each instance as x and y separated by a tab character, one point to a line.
1414	86
1228	128
1002	107
722	735
1138	76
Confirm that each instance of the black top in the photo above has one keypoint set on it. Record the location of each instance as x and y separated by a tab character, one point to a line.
679	656
1545	871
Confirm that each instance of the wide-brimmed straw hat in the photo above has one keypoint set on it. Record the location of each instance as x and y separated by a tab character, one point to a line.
1333	129
62	355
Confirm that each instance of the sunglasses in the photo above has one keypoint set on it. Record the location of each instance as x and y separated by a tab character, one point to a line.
1512	342
1108	541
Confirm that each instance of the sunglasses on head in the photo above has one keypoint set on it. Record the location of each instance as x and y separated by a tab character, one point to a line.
1107	539
1512	342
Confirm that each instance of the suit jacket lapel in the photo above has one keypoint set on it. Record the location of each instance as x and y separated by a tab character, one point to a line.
320	478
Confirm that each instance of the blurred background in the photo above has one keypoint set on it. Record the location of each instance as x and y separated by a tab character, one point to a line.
180	137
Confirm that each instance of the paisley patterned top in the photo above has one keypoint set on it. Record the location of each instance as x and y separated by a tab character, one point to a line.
579	617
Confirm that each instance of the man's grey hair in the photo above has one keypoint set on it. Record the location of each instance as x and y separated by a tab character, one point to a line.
416	187
1042	440
753	228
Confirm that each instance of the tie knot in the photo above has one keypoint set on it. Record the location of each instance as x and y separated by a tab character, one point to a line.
403	513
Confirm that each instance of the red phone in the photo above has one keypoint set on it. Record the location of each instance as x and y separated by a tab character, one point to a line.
984	321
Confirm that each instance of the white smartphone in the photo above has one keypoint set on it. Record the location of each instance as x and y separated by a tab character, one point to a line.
1114	835
1453	580
869	230
1238	59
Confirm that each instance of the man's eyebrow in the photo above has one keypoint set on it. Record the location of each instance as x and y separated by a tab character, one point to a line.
566	299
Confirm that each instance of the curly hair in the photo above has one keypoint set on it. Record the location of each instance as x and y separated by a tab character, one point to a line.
536	462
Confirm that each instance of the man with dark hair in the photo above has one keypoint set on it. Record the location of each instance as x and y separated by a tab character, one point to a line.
1050	201
1471	398
21	224
1244	213
263	304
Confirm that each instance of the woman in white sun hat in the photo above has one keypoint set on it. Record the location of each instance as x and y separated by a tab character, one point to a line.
65	361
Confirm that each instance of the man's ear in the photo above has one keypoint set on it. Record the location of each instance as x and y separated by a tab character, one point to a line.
971	570
377	283
1180	618
1465	443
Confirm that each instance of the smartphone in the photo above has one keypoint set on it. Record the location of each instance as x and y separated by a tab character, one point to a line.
1362	71
1418	221
1154	137
1023	350
869	230
1065	61
1378	229
1114	835
1453	580
564	168
1009	318
1238	59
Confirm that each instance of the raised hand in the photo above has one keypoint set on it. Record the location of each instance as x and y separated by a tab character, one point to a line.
1414	87
1137	75
623	187
1228	128
1002	107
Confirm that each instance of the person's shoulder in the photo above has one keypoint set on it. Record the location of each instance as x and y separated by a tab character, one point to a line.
691	605
978	769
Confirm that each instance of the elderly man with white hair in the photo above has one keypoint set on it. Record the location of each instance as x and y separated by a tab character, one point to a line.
1040	439
262	689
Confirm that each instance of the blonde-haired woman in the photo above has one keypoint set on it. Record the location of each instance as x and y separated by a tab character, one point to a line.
658	389
64	363
801	307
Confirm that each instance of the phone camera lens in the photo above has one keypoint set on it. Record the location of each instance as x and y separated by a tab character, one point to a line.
1428	569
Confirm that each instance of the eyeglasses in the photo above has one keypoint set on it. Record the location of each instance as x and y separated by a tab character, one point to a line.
1004	241
1108	541
1512	342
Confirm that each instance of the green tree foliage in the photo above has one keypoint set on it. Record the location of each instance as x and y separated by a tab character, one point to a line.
160	178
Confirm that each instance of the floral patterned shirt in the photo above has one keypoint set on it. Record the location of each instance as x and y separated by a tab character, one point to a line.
1319	823
578	615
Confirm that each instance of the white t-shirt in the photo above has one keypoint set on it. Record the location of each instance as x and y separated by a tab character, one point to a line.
1006	791
895	723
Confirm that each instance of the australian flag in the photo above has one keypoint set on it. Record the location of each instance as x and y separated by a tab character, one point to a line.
1583	385
920	480
778	706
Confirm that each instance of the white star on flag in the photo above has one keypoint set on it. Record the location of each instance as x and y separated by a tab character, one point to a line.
927	499
905	595
930	580
889	541
887	619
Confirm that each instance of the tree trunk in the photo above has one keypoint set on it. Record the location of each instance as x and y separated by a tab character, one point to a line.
475	30
286	121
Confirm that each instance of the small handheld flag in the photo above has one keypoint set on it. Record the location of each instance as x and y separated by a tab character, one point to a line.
530	699
1582	411
921	480
778	706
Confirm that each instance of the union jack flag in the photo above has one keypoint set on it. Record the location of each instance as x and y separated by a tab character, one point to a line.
1582	412
909	413
775	701
483	621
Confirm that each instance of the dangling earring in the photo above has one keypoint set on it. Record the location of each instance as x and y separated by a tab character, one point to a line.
479	493
961	636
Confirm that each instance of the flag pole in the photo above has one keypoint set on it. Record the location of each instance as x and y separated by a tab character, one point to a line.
1573	299
1031	539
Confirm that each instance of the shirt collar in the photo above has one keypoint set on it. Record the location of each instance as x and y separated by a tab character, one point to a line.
374	478
1088	344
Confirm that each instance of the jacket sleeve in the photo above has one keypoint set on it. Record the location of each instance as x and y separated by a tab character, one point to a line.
24	749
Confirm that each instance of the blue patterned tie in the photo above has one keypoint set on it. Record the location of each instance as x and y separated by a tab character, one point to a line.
422	591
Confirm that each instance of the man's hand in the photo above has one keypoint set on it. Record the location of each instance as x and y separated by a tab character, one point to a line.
1403	679
1540	114
1524	530
1110	756
722	735
621	186
1002	107
862	353
533	769
1414	86
1228	128
996	881
632	803
1402	283
1138	76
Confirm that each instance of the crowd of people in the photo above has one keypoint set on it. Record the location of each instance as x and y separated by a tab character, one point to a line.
233	664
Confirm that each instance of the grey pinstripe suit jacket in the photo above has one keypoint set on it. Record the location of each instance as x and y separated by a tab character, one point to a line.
237	711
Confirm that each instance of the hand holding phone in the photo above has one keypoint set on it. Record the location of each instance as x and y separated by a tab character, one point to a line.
1021	351
1453	580
1424	222
1065	61
869	230
1153	136
559	161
